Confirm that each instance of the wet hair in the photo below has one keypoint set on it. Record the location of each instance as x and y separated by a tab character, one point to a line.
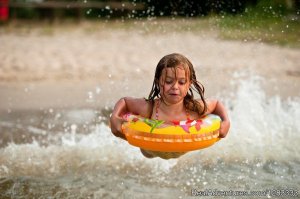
177	60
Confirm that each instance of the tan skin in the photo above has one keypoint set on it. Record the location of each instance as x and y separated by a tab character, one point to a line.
173	89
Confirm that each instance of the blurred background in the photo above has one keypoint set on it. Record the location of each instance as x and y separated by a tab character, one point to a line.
51	9
64	64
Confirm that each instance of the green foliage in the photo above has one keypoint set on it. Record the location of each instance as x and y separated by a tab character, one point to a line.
262	24
267	8
272	21
24	13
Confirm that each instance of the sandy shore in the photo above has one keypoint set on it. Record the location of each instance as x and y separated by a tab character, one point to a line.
73	67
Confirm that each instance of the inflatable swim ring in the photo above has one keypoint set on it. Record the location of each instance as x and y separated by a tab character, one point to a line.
180	136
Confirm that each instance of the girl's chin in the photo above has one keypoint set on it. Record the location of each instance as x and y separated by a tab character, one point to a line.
173	99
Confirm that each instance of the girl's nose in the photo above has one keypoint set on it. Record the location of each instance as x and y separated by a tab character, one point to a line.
175	85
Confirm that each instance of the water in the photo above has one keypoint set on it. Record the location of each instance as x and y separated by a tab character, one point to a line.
72	154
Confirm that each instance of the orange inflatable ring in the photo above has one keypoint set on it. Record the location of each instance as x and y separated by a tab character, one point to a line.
180	136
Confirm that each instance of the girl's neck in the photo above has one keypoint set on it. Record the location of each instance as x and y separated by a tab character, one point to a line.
171	110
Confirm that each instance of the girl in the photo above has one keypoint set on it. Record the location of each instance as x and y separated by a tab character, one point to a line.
171	98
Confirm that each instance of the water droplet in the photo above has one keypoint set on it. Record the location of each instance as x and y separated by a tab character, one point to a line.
57	116
89	11
73	127
49	126
258	165
98	90
4	168
90	95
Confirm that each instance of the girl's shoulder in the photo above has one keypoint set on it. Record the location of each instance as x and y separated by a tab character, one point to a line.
207	101
210	103
139	106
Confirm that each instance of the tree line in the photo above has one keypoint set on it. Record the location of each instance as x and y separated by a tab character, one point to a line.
155	8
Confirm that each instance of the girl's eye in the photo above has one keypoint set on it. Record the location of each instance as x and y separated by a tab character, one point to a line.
169	81
182	82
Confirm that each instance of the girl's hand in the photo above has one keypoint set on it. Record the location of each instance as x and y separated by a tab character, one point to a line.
125	105
216	107
116	126
225	125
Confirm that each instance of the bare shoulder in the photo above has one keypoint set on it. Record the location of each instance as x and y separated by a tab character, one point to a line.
138	106
211	104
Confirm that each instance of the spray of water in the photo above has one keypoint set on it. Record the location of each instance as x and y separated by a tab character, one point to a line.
261	148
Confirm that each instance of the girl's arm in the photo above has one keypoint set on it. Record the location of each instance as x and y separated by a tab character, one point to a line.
216	107
116	118
123	106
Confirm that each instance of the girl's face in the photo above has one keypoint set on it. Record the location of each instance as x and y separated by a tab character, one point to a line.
174	84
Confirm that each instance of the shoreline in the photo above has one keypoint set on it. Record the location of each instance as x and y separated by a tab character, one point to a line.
74	67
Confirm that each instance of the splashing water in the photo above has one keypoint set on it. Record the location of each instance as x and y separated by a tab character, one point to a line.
84	160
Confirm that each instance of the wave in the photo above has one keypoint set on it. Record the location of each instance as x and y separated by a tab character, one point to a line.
263	143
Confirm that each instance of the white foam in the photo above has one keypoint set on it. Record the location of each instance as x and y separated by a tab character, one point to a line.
75	153
261	127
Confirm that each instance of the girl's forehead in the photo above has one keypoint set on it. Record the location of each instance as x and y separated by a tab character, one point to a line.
179	72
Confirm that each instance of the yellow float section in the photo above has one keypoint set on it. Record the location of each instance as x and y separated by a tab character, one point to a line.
172	138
